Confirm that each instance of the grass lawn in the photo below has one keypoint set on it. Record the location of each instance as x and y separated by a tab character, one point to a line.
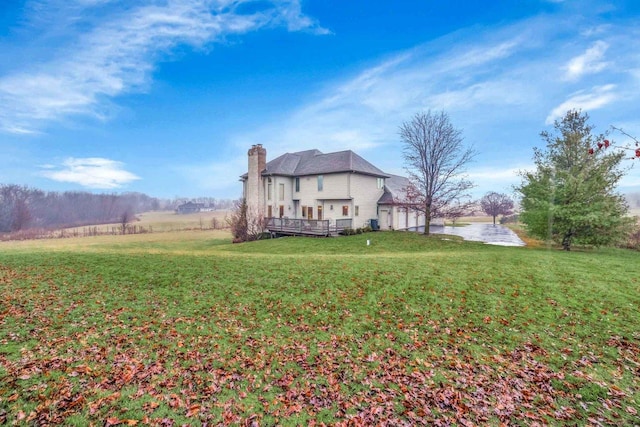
186	328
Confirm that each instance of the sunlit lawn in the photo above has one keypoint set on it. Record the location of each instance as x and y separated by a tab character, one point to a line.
187	328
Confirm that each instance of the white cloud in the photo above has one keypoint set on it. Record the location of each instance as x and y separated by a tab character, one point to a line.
479	55
588	63
499	92
290	12
118	53
598	97
597	30
92	172
500	179
498	174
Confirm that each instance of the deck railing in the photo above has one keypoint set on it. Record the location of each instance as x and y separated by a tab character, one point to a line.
315	227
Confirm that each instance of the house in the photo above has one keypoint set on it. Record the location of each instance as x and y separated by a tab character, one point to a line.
392	213
189	207
324	191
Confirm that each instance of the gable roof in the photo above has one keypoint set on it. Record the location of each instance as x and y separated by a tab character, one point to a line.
394	189
314	162
288	163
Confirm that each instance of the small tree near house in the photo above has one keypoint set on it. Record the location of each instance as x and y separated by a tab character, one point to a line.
245	224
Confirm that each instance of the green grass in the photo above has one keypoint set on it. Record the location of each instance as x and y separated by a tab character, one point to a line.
407	329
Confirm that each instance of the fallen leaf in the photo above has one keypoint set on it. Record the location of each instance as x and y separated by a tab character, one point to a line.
193	410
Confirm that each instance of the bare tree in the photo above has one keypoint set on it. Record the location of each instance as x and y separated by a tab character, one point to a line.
495	204
21	215
126	217
245	224
457	211
15	212
435	159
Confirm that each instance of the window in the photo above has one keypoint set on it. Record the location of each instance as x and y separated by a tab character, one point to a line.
269	189
320	182
319	212
309	212
304	212
280	192
380	182
297	184
345	210
356	210
281	211
269	212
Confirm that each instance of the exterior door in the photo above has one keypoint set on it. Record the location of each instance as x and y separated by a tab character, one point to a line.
403	218
320	212
384	219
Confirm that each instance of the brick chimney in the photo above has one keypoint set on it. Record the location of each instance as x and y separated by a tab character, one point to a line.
255	186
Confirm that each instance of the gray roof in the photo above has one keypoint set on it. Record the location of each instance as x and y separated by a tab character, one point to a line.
394	189
313	162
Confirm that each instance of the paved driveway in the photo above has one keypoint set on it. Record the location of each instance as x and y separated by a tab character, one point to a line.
480	232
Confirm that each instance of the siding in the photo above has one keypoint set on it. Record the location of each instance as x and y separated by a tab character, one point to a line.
335	192
365	193
339	189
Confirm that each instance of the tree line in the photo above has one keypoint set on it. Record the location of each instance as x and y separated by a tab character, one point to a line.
23	208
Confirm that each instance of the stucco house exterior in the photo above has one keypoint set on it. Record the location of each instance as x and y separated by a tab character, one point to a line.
335	188
392	214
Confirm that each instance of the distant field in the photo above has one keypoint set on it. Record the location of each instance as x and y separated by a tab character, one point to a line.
470	219
161	221
184	327
170	221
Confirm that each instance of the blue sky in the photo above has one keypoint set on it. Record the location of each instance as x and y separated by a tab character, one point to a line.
165	97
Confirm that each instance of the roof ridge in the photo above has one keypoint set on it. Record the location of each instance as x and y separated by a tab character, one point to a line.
314	161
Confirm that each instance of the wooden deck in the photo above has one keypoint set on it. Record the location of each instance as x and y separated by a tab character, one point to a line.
306	227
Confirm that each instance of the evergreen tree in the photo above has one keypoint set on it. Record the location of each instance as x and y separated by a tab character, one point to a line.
570	197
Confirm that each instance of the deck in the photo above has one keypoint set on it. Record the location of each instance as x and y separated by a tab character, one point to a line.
307	227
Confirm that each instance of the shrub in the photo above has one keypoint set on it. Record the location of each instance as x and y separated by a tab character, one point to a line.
633	239
510	219
245	225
